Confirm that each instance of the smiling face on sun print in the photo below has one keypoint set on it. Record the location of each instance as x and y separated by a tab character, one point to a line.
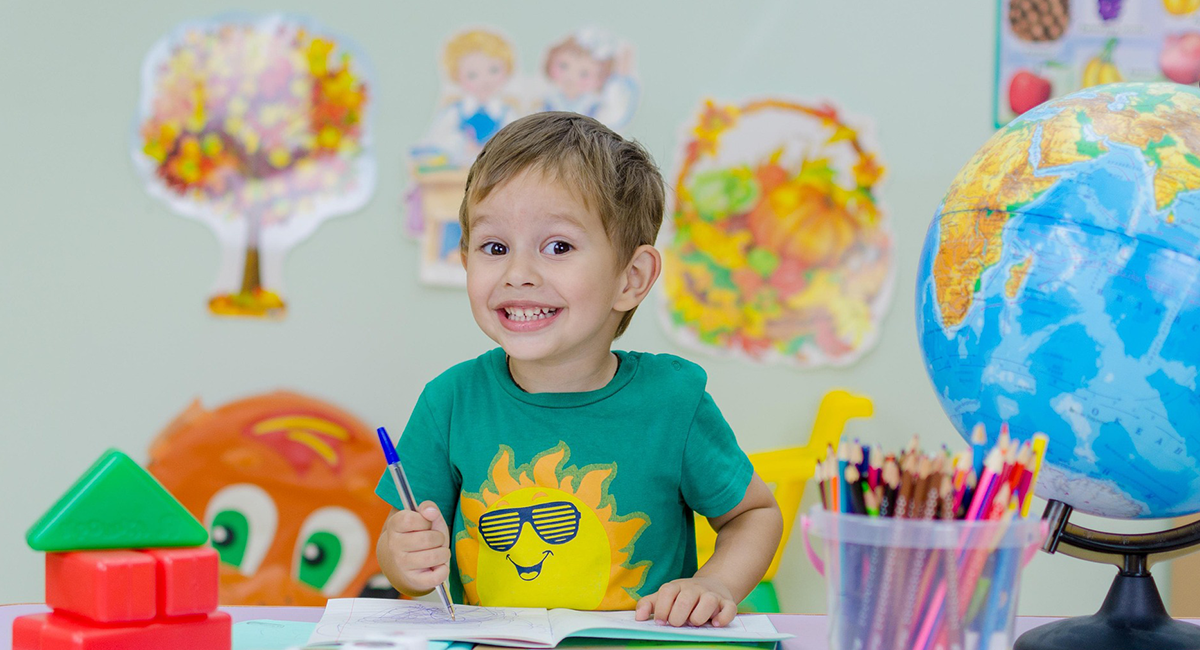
539	544
548	534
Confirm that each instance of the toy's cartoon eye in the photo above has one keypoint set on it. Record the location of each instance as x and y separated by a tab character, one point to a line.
241	522
330	550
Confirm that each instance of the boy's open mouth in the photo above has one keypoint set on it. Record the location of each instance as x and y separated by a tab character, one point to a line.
526	319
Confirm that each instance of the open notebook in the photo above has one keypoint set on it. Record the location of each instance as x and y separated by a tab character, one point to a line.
361	618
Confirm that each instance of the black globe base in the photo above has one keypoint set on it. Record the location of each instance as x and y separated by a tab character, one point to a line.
1132	618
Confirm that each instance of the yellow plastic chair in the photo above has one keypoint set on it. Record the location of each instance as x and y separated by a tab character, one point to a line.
786	471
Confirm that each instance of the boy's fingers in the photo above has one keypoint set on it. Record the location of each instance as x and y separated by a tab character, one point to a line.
438	574
663	602
419	540
406	522
430	512
708	604
430	559
725	616
426	579
645	607
685	602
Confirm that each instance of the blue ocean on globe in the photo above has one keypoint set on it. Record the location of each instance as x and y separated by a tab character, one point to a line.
1085	324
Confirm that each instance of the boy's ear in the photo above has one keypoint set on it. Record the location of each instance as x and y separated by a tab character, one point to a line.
462	256
638	277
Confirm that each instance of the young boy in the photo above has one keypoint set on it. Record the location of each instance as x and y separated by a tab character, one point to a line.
569	473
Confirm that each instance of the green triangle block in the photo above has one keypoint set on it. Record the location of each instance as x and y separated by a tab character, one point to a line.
115	504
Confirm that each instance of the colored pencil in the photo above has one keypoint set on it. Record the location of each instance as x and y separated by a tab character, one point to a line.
978	440
819	475
854	490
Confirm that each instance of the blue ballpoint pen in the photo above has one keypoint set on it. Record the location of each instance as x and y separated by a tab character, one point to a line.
410	502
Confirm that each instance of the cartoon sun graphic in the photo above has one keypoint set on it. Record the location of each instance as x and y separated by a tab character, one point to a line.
548	535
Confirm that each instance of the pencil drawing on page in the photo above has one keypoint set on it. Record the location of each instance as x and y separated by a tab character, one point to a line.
417	613
348	618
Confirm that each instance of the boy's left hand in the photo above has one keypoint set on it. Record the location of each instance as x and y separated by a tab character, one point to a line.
689	601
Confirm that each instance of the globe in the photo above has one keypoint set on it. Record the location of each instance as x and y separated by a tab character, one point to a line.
1058	290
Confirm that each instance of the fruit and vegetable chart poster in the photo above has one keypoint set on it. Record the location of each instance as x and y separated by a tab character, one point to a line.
1049	48
778	248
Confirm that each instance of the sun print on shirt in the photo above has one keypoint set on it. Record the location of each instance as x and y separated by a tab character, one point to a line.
548	535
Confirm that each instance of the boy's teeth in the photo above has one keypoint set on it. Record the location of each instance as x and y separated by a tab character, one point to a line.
529	314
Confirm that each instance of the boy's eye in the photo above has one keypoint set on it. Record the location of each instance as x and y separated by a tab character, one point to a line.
557	248
494	248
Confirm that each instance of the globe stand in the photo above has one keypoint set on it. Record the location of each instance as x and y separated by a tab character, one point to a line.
1133	616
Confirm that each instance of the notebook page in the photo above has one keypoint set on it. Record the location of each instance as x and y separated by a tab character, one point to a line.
360	618
567	623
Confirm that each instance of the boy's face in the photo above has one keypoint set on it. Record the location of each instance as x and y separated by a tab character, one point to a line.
542	275
480	75
576	74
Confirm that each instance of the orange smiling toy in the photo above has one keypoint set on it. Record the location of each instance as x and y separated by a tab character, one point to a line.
285	485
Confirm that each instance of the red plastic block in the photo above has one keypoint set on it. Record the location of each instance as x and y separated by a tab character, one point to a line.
27	632
65	632
187	580
104	586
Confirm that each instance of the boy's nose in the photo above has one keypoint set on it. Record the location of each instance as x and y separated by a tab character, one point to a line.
522	271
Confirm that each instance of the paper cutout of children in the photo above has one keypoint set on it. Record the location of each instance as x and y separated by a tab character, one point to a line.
480	64
592	73
478	68
588	72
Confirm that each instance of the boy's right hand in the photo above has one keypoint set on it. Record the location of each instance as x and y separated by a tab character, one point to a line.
419	544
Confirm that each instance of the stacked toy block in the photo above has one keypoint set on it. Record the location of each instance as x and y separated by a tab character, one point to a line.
125	568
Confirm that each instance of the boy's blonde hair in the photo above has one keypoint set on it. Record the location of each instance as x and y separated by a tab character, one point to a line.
614	176
476	40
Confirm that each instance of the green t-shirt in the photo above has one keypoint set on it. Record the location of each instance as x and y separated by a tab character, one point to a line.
581	500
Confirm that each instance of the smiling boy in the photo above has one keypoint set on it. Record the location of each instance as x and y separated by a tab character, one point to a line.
569	472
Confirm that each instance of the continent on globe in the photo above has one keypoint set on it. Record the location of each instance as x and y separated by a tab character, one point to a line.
1059	291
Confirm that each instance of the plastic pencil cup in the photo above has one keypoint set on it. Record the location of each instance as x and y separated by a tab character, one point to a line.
913	584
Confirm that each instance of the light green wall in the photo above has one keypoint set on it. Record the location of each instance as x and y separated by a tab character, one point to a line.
103	332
